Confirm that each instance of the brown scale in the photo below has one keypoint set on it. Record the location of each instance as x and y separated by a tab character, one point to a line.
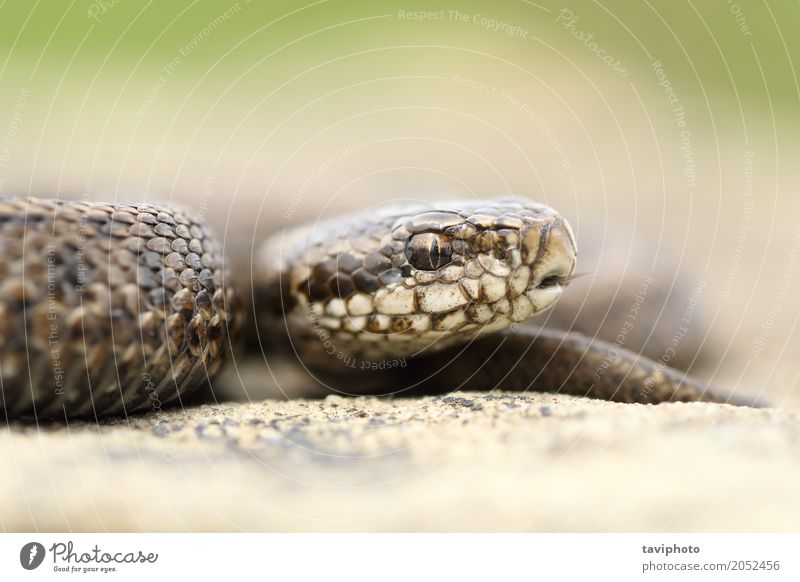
106	308
429	241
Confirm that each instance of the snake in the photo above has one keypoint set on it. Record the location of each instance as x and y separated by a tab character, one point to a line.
108	308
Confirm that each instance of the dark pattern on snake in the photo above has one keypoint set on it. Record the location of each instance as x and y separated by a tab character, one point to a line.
110	308
106	308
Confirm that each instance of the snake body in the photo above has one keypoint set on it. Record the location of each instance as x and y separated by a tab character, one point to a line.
106	308
113	308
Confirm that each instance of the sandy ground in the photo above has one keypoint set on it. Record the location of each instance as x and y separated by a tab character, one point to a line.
464	462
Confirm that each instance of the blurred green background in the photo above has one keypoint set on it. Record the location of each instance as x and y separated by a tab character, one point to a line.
151	83
746	48
262	114
739	53
121	88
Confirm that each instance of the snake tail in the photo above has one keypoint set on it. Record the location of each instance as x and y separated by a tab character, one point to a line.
549	360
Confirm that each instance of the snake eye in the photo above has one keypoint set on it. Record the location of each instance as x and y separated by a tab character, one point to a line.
428	251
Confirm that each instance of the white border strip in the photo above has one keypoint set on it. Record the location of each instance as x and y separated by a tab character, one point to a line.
402	557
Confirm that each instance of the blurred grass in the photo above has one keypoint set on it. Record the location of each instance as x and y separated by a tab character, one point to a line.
700	43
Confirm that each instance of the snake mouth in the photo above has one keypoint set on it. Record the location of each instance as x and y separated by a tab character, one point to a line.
553	281
555	261
553	266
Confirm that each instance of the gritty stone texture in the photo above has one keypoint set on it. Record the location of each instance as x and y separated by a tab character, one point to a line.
468	461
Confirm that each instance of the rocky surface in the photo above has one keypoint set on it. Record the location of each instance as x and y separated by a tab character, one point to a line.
464	462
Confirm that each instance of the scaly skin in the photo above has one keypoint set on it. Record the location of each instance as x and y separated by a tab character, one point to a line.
106	308
368	281
110	308
547	360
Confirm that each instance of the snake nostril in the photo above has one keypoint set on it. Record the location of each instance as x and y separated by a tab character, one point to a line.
551	281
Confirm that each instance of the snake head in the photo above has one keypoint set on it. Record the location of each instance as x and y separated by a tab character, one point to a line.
426	277
479	266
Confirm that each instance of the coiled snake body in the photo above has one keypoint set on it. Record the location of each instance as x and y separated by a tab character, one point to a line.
106	308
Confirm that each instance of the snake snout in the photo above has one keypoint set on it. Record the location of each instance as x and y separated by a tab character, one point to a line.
557	262
553	264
